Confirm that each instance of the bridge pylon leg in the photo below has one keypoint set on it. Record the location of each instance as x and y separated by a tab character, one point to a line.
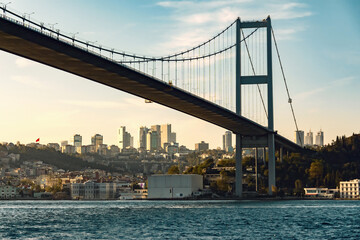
238	166
256	170
271	163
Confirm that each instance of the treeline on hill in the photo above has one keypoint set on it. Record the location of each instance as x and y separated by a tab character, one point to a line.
324	167
50	156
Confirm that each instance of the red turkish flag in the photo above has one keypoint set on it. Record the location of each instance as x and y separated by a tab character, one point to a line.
38	140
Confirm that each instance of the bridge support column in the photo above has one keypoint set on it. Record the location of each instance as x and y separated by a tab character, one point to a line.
271	138
256	170
238	163
238	166
271	163
264	156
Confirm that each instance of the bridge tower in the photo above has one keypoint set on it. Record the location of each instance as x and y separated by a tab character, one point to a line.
255	141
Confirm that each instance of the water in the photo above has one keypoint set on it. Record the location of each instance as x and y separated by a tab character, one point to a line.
179	219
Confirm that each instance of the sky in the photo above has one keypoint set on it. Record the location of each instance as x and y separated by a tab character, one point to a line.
319	43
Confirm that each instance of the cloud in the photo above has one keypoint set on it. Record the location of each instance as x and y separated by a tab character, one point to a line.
27	80
197	21
284	34
201	12
342	81
336	83
290	11
94	104
124	104
182	5
23	62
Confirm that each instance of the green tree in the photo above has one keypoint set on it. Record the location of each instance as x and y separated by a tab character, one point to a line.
298	190
316	171
174	169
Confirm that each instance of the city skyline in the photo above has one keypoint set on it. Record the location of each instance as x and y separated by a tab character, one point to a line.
42	102
124	138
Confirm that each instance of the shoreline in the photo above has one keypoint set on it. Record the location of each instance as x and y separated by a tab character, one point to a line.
185	199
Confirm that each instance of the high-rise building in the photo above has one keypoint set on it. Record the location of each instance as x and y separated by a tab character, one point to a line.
63	143
165	134
152	141
309	139
319	139
173	137
124	138
201	146
227	141
157	128
121	137
299	138
77	140
96	140
142	137
131	141
69	149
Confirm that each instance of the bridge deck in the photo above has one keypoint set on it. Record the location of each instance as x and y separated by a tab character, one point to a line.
28	43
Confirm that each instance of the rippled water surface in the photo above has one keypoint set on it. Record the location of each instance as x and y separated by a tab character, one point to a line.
180	219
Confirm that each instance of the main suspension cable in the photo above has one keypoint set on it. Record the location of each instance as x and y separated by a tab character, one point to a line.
287	89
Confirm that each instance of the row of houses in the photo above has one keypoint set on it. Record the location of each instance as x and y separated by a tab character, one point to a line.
169	187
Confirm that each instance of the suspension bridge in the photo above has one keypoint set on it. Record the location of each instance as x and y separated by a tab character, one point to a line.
226	80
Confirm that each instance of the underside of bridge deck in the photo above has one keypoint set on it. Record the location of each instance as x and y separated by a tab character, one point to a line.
31	44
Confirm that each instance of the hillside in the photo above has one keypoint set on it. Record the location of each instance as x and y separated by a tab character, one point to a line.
324	167
50	156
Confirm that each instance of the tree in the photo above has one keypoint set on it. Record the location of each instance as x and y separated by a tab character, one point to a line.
174	169
298	190
316	171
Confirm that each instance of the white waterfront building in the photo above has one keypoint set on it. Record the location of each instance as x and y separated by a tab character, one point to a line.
320	192
166	186
350	189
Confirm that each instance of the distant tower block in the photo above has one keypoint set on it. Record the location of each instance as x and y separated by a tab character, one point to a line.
227	141
299	138
309	139
319	139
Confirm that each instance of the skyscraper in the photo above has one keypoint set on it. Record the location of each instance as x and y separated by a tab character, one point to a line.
131	141
309	139
77	140
227	141
157	128
124	138
152	141
96	140
319	139
142	137
165	134
173	137
299	138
